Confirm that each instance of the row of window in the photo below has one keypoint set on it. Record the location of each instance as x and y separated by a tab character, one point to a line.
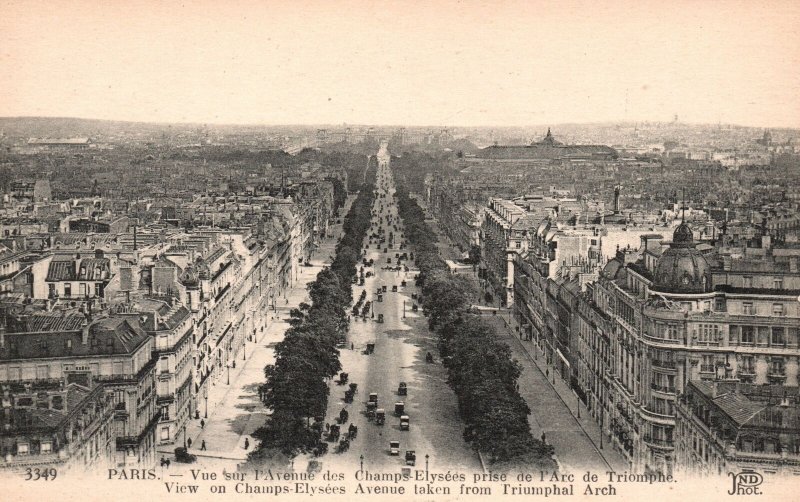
83	289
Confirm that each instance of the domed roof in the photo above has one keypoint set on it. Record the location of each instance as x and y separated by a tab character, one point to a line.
189	277
682	268
683	236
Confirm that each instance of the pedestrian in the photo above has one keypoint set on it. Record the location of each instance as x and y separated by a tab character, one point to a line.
547	372
246	443
544	439
203	445
189	442
202	423
352	346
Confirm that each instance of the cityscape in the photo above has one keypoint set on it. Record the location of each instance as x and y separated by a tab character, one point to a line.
586	306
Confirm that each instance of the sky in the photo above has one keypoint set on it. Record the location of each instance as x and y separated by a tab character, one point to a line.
448	63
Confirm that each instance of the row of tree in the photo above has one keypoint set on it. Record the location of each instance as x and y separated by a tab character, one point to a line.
297	383
480	367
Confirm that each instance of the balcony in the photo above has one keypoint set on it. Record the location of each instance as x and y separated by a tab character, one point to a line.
664	365
165	399
777	374
662	388
125	442
657	418
120	411
662	444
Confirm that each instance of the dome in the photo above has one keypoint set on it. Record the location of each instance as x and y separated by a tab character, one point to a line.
682	268
189	277
683	236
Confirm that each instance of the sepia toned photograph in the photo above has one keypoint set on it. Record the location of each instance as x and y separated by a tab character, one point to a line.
402	250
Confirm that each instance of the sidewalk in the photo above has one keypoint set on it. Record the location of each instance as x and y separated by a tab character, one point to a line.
534	360
234	409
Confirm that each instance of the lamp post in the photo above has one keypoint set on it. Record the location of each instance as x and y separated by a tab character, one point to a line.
229	375
184	435
426	463
404	309
578	400
205	395
361	458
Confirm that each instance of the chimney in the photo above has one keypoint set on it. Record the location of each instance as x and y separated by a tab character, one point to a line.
616	199
85	333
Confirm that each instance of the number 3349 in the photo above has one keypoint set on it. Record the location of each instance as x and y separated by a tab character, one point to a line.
35	474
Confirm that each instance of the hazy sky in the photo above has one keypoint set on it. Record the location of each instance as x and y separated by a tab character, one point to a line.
425	62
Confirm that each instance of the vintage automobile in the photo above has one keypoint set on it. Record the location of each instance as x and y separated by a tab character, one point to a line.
399	408
414	307
373	397
371	407
405	422
380	317
380	416
380	298
352	431
402	389
394	288
403	283
394	448
411	457
384	288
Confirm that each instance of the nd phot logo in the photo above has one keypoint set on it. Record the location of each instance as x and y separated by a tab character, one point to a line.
746	482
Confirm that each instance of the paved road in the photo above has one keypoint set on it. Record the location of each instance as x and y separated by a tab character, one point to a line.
401	345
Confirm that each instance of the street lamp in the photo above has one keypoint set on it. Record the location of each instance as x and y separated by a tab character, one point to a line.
184	435
229	375
205	395
426	463
361	458
404	309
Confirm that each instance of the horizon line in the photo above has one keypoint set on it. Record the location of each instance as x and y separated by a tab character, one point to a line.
346	124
